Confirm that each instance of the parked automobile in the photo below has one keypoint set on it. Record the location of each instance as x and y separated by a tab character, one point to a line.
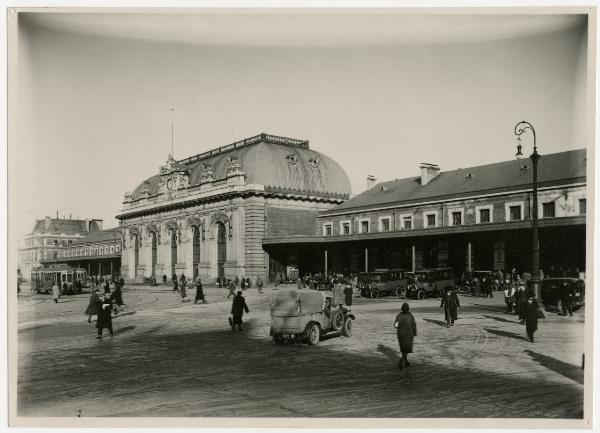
430	282
383	282
552	291
306	315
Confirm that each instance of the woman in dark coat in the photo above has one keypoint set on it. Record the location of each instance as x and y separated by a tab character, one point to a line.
348	295
237	310
104	315
450	304
92	308
406	329
530	316
199	292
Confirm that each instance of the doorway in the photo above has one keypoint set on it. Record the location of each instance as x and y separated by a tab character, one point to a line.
221	249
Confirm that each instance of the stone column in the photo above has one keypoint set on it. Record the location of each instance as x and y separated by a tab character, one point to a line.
325	262
469	252
366	259
414	259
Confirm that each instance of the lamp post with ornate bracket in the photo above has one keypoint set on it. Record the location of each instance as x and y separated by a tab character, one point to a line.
521	128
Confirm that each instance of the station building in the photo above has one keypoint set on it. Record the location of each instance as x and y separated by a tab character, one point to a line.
98	253
476	218
207	215
49	237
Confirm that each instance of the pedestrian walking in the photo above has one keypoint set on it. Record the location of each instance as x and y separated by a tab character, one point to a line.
519	299
92	308
55	292
175	284
276	283
182	281
105	307
243	284
248	283
231	289
183	291
118	295
236	280
238	307
106	286
477	286
450	304
259	284
164	278
348	294
199	292
530	316
300	283
509	297
406	330
566	299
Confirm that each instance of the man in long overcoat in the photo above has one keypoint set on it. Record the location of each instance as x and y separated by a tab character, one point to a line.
55	292
199	292
450	304
237	310
92	308
104	315
348	294
406	330
530	316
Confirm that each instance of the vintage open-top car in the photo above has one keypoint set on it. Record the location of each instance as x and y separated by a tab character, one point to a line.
306	315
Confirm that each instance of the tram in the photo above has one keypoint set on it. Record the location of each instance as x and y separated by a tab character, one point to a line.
43	279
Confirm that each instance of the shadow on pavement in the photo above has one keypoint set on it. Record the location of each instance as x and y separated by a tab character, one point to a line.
218	373
390	353
505	334
123	330
501	319
567	370
436	322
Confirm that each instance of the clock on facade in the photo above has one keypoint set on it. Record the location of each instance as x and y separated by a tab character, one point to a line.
170	184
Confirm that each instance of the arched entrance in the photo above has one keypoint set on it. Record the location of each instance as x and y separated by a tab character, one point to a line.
195	251
173	251
221	249
154	253
136	254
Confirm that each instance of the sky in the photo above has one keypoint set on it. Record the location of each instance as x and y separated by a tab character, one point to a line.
93	119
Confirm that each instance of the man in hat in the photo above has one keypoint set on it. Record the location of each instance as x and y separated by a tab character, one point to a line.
530	316
237	310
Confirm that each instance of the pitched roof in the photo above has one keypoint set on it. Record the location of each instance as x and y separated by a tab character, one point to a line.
553	169
113	234
59	225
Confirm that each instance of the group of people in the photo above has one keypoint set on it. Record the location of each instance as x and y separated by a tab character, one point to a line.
104	302
180	286
243	283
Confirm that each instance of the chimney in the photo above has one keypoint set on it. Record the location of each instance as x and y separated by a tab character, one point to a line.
95	225
371	180
428	172
87	225
47	221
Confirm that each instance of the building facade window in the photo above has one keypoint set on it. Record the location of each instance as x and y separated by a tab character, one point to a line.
70	242
55	254
456	216
548	210
384	224
363	225
407	222
112	249
429	219
484	216
117	248
327	229
345	227
582	206
513	211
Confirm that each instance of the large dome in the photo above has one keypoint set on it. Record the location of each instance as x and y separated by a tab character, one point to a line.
278	163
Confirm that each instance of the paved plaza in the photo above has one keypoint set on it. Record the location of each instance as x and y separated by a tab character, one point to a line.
169	358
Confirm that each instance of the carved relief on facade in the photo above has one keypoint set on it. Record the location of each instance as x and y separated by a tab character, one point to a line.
206	174
194	221
135	231
153	228
234	167
173	176
145	190
219	216
127	198
173	225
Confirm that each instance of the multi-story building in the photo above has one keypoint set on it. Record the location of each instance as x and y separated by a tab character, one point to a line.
47	239
99	253
476	218
207	215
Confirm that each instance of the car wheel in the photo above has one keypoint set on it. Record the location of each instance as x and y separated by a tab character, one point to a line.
337	321
375	294
347	329
313	335
421	295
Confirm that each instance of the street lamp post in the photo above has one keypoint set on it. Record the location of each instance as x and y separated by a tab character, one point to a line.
521	128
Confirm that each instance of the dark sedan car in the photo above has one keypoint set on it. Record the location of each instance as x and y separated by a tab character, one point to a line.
553	290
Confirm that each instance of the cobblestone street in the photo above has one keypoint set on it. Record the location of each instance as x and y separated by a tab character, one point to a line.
169	358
